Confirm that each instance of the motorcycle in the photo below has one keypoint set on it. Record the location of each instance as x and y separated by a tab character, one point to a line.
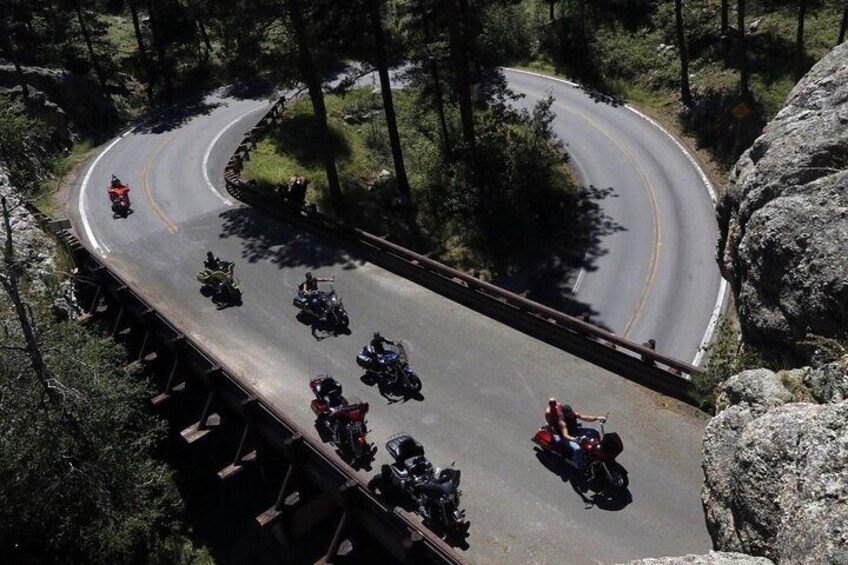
343	418
120	198
322	305
599	453
392	366
222	284
436	491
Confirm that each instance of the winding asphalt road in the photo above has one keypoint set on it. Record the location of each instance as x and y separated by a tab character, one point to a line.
485	384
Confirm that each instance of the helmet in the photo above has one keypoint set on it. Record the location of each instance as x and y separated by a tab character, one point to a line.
377	335
552	401
209	255
309	276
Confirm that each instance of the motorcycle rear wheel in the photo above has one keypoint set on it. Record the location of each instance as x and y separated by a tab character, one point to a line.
616	476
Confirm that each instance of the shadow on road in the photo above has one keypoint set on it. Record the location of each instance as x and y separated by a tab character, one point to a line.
604	500
176	117
393	393
266	238
552	281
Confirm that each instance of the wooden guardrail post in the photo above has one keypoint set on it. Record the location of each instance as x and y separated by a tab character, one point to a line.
285	498
208	419
248	407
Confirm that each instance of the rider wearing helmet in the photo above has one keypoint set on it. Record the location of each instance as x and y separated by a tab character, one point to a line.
117	190
377	343
310	288
212	263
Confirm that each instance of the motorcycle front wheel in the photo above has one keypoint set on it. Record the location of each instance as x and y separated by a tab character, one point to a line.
413	383
344	321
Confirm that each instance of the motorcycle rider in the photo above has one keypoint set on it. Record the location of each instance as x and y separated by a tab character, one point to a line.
118	190
377	344
563	423
212	262
310	289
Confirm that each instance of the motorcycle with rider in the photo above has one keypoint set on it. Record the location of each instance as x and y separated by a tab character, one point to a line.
218	280
388	364
323	307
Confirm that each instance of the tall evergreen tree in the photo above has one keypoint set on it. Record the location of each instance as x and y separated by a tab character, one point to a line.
685	94
744	77
799	40
9	50
311	77
844	26
388	102
457	14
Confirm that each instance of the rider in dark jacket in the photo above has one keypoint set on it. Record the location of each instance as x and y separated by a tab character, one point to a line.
310	288
377	344
212	263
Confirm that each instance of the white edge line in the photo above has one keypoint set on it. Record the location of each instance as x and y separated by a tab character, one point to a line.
206	155
205	164
722	289
89	233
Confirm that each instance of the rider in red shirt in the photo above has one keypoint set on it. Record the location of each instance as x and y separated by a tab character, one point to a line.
563	421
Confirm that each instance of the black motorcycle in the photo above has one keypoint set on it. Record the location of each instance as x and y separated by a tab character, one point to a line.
436	491
392	366
322	305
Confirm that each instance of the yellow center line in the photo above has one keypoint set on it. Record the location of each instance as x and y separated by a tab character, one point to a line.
146	188
652	265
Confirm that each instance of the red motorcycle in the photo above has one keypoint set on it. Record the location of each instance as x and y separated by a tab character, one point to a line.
598	452
119	194
344	419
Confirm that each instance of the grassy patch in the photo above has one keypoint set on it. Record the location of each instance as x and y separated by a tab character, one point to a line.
471	224
59	171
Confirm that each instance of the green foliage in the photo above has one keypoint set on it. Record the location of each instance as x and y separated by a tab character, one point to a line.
24	145
497	210
78	480
727	356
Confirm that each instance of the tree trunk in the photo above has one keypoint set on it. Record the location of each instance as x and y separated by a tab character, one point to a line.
551	7
9	50
142	50
743	56
799	40
725	10
313	83
205	37
9	281
844	27
685	94
456	31
101	78
437	83
388	102
159	46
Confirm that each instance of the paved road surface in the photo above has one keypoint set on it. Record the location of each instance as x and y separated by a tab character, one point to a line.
484	384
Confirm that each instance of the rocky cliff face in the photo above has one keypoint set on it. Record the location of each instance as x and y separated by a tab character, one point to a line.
776	471
784	218
37	250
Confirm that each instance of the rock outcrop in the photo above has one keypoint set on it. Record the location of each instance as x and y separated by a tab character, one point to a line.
784	218
60	97
37	250
775	473
711	558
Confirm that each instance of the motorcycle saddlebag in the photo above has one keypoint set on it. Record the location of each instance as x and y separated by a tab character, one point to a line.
300	302
611	444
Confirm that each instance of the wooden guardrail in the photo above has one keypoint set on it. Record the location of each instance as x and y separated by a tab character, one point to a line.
640	362
342	489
